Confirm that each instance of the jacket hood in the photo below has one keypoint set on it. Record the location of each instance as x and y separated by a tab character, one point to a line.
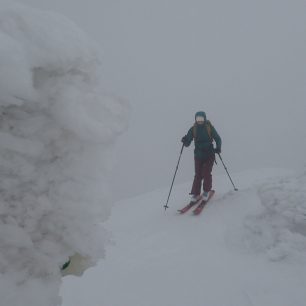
202	114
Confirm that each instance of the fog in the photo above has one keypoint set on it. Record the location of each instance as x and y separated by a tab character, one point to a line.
242	62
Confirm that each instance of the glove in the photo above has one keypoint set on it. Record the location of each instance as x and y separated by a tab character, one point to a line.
184	141
217	150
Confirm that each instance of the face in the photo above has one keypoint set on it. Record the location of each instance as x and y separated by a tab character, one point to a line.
200	119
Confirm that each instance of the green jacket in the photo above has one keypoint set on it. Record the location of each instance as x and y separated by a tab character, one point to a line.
203	143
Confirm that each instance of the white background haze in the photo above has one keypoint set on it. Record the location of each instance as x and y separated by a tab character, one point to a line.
243	62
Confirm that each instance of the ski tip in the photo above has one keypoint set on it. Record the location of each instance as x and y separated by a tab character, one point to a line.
197	212
182	211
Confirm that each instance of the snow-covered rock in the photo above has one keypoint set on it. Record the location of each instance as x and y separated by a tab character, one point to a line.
278	229
57	129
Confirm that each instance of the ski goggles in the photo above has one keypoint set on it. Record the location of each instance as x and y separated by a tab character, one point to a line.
200	119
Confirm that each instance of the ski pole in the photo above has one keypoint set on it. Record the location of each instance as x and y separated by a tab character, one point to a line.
227	172
166	206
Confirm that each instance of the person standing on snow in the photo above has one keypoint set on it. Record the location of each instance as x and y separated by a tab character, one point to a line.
203	134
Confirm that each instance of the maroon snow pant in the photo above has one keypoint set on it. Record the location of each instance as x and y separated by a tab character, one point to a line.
203	169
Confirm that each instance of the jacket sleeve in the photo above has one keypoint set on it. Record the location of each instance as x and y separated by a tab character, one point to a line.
216	138
189	137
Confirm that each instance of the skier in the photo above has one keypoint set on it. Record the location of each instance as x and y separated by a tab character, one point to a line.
203	134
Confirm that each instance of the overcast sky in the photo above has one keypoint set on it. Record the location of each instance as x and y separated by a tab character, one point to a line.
243	62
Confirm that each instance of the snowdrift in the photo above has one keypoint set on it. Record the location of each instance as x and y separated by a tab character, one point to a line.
57	129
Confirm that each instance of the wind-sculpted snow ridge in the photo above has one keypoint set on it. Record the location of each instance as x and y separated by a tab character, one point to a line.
279	229
56	135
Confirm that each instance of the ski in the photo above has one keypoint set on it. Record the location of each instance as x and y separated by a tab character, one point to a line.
200	207
187	207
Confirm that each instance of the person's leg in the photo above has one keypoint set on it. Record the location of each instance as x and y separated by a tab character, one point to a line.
196	186
207	169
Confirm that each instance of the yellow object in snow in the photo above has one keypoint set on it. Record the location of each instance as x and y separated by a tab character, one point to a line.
76	265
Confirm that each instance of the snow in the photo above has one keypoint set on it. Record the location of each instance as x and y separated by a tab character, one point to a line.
246	248
57	135
57	132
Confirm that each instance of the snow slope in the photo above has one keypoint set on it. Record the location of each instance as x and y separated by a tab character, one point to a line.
246	248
